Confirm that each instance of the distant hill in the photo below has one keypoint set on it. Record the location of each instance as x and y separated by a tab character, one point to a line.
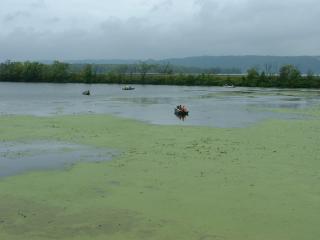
95	61
272	63
243	63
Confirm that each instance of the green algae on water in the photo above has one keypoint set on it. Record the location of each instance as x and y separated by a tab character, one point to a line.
171	182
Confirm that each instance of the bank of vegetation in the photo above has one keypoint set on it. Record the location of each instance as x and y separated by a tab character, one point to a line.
143	73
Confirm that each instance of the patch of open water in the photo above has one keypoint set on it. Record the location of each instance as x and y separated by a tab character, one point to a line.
20	157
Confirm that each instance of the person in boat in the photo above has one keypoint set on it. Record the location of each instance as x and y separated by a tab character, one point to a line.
184	109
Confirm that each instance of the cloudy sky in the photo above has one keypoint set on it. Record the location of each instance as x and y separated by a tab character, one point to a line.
106	29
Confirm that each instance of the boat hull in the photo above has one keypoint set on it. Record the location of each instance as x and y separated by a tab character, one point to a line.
180	112
128	88
86	93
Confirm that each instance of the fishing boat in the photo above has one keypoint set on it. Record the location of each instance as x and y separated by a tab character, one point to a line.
86	93
128	88
228	86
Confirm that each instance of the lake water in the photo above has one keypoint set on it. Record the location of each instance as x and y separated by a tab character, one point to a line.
209	106
20	157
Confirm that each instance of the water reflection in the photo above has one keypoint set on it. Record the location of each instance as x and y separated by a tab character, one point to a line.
182	117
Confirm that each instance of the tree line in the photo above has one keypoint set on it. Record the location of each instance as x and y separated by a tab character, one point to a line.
144	73
165	68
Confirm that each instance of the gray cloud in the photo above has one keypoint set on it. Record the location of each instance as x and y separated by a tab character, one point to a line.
157	28
15	16
162	5
38	4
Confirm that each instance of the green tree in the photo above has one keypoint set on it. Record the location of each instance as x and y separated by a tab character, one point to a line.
252	73
289	72
58	72
87	74
252	77
32	72
289	76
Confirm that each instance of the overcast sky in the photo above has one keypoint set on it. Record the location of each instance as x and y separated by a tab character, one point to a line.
106	29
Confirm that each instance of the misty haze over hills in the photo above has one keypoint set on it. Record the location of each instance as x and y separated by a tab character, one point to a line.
263	63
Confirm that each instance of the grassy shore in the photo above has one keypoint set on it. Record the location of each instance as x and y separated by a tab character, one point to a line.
170	182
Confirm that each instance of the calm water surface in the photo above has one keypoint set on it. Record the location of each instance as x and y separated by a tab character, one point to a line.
209	106
20	157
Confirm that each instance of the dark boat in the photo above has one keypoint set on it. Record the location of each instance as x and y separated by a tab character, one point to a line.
86	93
128	88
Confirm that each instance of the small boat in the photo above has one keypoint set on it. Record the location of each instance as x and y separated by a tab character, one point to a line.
128	88
181	112
228	86
86	93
